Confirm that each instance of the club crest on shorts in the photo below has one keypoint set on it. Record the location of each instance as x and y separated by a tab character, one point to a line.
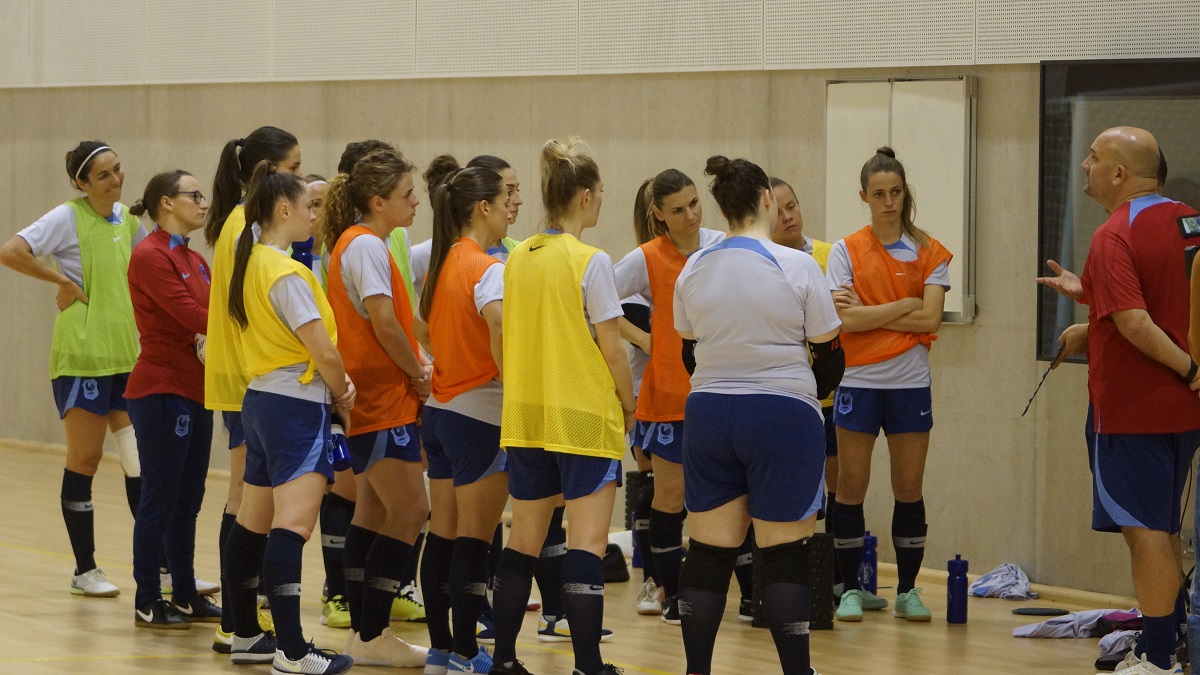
845	402
400	436
91	390
666	434
182	424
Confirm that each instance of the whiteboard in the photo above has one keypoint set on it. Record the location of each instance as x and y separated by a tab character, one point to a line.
930	125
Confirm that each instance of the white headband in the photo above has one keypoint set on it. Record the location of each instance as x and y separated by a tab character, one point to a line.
88	159
318	182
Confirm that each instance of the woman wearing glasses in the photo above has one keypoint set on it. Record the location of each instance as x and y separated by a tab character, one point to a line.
168	283
95	339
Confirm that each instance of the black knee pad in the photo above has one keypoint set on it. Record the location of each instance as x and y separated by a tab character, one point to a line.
707	568
786	563
645	496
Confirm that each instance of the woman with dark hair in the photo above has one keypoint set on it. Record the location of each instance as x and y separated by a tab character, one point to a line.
751	313
168	283
288	336
95	343
889	283
225	374
468	480
675	221
566	409
375	321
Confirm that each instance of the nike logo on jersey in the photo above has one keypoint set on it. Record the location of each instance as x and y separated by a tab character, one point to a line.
117	238
186	275
534	248
925	412
144	616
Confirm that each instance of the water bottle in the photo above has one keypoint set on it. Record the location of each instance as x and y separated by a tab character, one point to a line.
868	569
302	252
956	591
339	451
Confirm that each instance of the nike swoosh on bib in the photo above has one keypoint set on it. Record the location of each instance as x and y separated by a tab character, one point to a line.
534	248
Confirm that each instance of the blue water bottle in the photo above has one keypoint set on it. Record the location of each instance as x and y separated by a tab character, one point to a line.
956	591
868	569
339	451
302	252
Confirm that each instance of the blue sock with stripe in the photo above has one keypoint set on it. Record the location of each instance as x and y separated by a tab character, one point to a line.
282	563
583	600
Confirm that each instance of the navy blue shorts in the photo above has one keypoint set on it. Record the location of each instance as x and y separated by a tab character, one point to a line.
233	423
664	440
403	443
637	437
467	449
896	411
1138	479
769	447
286	437
534	473
830	432
97	395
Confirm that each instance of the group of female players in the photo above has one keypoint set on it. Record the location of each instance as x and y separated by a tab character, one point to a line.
503	362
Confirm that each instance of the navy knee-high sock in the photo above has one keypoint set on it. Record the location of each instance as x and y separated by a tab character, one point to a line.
1159	634
411	568
703	588
468	589
641	526
336	513
282	562
243	561
583	600
549	569
830	508
849	530
227	521
908	536
787	602
743	569
80	518
510	593
133	493
666	544
435	587
381	580
354	562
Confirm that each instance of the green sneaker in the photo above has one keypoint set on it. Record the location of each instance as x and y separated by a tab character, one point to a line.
910	608
336	612
869	599
850	609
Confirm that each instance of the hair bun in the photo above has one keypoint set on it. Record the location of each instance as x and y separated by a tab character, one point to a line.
441	170
719	166
138	208
886	152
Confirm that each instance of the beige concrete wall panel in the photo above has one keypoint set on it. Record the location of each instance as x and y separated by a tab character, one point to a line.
15	63
469	38
85	43
350	39
211	41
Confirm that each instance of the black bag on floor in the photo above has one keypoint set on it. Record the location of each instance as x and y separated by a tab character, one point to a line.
613	566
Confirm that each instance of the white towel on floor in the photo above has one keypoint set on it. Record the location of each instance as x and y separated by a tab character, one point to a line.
1006	581
1076	625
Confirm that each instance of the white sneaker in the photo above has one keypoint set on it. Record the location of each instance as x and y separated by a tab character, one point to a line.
315	662
386	650
647	600
1140	666
93	584
202	587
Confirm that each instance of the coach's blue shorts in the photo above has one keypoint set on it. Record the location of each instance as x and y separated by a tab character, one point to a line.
896	411
97	395
233	424
402	442
830	432
1138	479
637	437
462	448
664	440
534	473
769	447
286	437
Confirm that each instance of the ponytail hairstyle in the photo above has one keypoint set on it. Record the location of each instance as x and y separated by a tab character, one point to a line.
349	196
488	162
356	150
884	161
440	169
267	186
454	200
239	159
566	169
165	184
653	191
644	221
736	185
80	160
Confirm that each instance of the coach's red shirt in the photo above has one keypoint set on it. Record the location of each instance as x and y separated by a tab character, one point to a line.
1136	261
169	285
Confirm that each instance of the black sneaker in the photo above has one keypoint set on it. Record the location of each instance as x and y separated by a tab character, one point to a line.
517	668
160	614
257	649
200	610
608	669
746	610
670	613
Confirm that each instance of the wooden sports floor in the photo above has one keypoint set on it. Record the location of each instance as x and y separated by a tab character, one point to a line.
48	630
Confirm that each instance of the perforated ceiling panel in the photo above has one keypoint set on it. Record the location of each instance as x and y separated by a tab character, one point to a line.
1023	31
349	39
869	33
83	42
482	37
212	41
683	35
14	43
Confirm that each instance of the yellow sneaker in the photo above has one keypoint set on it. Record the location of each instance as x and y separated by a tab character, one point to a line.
408	606
265	622
336	612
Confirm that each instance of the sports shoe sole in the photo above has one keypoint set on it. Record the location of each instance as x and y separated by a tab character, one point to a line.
914	619
162	626
851	618
651	611
247	657
106	594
